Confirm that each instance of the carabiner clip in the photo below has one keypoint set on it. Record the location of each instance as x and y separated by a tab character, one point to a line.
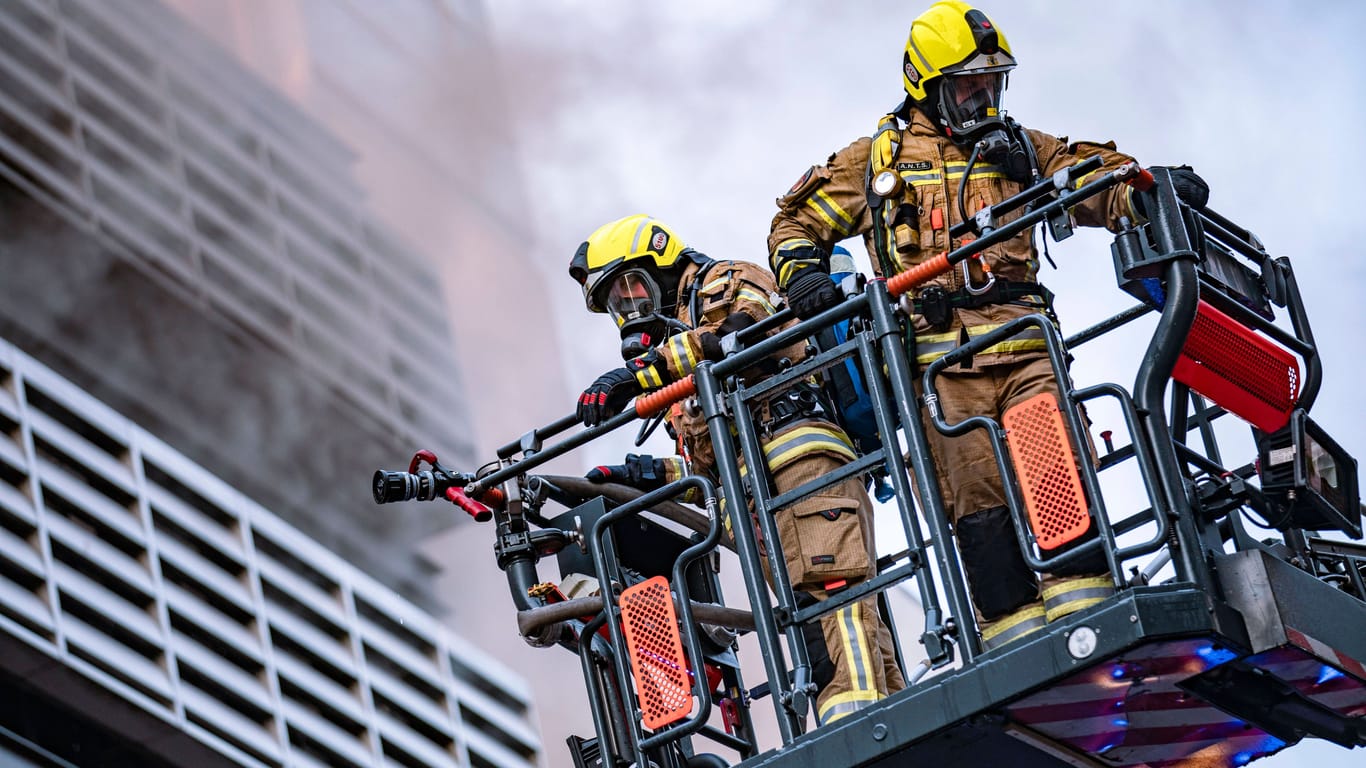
967	277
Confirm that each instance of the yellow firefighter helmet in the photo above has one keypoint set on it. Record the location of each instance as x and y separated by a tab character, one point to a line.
955	66
630	266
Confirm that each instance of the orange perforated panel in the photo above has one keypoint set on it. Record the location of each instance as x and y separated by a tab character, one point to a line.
657	662
1047	470
1244	372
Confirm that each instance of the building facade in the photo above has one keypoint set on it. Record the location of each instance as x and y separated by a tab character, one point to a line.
152	615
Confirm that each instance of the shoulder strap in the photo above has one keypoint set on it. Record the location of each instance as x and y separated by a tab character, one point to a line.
885	149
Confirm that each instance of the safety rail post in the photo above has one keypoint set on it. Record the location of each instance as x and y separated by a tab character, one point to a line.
887	329
709	396
600	546
932	638
610	732
756	465
1182	288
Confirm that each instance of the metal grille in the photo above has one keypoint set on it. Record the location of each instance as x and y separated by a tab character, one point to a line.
657	661
133	127
1243	372
1047	469
133	571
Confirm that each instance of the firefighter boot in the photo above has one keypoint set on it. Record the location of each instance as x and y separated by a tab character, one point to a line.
1005	592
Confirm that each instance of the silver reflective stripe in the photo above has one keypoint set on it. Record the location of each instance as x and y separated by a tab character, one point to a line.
858	660
839	220
843	709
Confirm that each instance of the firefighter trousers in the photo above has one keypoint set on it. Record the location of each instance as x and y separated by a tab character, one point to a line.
827	543
1010	600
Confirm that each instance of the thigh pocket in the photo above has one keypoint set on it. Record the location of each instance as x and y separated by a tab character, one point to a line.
823	541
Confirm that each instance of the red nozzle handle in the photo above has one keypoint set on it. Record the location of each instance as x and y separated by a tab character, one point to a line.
479	512
420	457
649	405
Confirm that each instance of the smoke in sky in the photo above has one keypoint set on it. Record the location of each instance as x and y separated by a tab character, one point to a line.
702	113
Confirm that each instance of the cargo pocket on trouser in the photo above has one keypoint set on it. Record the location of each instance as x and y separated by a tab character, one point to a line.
822	535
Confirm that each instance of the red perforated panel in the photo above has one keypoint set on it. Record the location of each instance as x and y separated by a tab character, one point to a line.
1047	470
1239	369
657	661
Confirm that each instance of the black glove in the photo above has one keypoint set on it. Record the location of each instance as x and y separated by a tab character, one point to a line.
1190	189
811	292
607	396
644	472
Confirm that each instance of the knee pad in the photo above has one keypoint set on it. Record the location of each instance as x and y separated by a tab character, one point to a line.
1089	564
998	578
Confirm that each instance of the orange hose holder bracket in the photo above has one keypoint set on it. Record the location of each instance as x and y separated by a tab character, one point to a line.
1047	470
663	682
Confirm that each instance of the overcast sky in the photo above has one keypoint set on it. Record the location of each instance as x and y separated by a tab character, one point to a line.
702	112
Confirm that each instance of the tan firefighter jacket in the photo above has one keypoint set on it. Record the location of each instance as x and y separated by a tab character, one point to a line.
725	288
830	203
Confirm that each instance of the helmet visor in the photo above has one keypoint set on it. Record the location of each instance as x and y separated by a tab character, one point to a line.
970	100
632	295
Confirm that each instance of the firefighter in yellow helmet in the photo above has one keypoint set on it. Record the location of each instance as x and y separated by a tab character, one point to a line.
954	73
673	305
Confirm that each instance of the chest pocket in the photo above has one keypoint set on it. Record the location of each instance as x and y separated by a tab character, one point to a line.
716	296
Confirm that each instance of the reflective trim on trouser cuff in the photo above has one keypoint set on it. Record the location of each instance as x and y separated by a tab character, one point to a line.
1072	595
857	653
1013	626
845	704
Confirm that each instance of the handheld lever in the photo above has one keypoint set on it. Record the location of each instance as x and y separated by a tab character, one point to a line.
479	512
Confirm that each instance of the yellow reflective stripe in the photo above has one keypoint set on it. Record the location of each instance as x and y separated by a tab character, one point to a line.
1072	595
684	360
932	346
838	219
979	171
757	298
788	267
844	704
856	647
921	179
649	378
803	440
792	244
935	338
1013	626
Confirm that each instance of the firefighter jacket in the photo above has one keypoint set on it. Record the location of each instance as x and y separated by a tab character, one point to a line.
831	202
712	297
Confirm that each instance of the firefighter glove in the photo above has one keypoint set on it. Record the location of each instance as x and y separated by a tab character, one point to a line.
1190	189
644	472
607	396
811	292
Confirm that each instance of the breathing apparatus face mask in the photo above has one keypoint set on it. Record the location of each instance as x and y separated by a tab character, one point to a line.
633	301
970	111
